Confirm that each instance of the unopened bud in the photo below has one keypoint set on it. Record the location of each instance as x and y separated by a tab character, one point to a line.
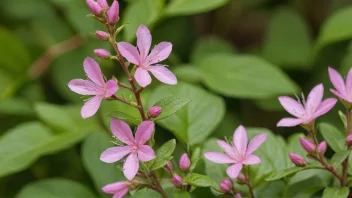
225	185
154	112
349	140
297	159
102	53
102	35
184	162
103	4
169	166
238	195
94	7
322	147
241	178
113	12
176	180
307	145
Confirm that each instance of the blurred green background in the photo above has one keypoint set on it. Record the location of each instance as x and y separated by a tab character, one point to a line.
232	58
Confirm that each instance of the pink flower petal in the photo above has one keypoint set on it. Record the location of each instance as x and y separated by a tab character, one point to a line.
92	70
144	41
83	87
144	132
160	52
91	106
252	159
234	170
129	51
229	150
163	74
292	106
122	131
111	88
337	80
338	94
323	108
115	187
289	122
219	158
131	166
103	4
142	77
255	143
114	154
145	153
314	99
349	81
121	193
240	140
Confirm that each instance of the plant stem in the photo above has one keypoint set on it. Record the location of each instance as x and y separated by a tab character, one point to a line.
344	164
125	86
249	184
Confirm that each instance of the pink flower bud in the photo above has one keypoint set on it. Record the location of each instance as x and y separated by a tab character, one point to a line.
349	140
238	195
307	145
154	111
103	4
184	162
322	147
224	188
94	7
241	178
227	182
297	159
169	166
102	53
102	35
176	180
113	12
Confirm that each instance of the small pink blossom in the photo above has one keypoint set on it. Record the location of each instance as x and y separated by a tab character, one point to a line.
307	145
102	35
176	180
307	111
118	189
349	140
102	53
184	162
113	12
343	89
322	147
154	111
297	159
135	148
94	86
94	6
146	63
239	153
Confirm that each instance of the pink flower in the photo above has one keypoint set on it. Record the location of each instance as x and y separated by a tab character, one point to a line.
135	146
184	162
94	86
113	12
147	62
309	110
297	159
239	153
118	189
343	90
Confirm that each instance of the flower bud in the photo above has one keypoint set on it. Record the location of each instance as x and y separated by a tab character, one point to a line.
176	180
307	145
113	12
102	53
241	178
184	162
224	188
349	140
154	111
94	7
238	195
102	35
322	147
227	182
297	159
169	166
103	4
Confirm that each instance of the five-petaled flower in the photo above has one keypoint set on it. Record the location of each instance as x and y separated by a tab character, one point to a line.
343	90
135	146
147	62
239	153
94	86
307	111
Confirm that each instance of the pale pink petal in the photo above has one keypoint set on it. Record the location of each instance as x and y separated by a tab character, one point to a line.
292	106
129	51
240	140
145	153
142	77
144	132
144	41
338	94
115	187
160	52
219	158
83	87
111	88
103	4
289	122
93	71
163	74
229	150
255	143
131	166
234	170
252	159
323	108
314	99
121	193
122	131
114	154
349	81
337	80
91	106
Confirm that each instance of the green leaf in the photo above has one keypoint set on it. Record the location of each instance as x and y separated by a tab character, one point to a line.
100	172
181	194
195	157
170	105
55	188
16	106
200	180
287	42
289	171
163	155
339	157
336	192
188	73
334	138
194	123
190	7
123	116
343	119
245	76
